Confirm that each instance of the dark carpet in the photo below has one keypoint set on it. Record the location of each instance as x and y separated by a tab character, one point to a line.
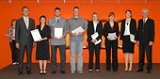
11	72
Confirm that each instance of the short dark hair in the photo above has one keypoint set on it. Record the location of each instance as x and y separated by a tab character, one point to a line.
75	7
111	14
57	8
25	7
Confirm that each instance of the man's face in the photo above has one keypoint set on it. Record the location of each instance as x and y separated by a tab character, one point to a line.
76	12
25	12
145	13
57	13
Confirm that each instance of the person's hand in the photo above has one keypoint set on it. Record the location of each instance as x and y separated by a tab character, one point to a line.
108	38
94	40
54	37
34	44
121	42
17	45
150	43
137	42
80	33
73	34
115	37
62	37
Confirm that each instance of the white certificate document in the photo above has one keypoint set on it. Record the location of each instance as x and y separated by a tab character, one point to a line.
95	35
98	41
112	36
79	29
58	32
36	35
132	37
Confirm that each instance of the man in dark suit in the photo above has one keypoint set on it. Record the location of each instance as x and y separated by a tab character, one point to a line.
24	39
145	39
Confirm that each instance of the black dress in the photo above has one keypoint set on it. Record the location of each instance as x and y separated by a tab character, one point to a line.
42	50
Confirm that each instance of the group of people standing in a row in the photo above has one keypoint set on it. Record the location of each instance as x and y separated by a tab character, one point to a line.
21	38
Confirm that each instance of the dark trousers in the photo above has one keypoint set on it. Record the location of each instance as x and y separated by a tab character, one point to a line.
62	49
14	51
142	49
22	48
111	45
94	49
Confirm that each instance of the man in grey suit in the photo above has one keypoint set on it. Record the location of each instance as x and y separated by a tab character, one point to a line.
24	39
58	42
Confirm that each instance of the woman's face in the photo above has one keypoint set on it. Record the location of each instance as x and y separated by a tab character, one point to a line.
43	20
111	18
95	17
128	14
13	24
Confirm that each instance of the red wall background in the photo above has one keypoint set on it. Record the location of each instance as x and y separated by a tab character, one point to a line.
8	11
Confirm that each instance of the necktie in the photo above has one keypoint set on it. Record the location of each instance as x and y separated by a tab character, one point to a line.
57	20
26	22
143	22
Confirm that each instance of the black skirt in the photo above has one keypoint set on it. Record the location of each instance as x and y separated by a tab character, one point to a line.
128	46
42	51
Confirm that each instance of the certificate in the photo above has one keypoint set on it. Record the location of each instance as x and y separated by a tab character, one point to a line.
112	36
132	37
95	35
58	32
36	35
97	42
79	29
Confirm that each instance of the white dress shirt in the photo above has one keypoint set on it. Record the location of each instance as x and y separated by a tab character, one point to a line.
26	21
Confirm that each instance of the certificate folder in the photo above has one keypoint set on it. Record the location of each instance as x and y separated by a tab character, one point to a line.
36	35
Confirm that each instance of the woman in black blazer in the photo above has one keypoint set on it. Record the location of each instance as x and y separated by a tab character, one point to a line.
93	27
42	49
128	29
111	27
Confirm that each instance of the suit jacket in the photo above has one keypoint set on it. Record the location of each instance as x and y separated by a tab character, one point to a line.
23	35
90	30
61	24
132	27
108	29
145	33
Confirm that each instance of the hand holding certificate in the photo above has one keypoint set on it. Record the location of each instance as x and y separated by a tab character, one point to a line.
77	30
36	35
112	36
94	37
58	32
132	37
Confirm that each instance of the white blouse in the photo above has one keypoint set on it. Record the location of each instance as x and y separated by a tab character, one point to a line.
127	29
95	25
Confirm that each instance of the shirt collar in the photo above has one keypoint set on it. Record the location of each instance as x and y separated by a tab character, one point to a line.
145	19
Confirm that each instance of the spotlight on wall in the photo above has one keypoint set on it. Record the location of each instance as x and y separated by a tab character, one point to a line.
91	1
118	1
38	1
64	1
146	1
9	1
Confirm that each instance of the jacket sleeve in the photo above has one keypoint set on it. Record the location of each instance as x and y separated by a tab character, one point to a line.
17	32
152	31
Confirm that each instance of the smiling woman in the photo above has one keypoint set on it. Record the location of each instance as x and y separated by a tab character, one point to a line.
13	10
